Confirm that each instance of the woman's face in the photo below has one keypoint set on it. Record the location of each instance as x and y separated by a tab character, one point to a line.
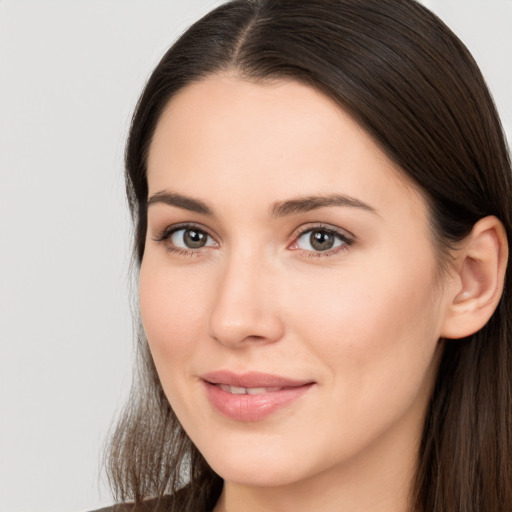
289	288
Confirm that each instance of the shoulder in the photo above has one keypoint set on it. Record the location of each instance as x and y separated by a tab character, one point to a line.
183	499
155	505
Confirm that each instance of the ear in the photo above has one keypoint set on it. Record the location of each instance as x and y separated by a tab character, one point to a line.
479	279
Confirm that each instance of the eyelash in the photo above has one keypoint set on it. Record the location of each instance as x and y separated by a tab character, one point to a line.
346	239
166	234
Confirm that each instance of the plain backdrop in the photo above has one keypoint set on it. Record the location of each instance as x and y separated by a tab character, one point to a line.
70	74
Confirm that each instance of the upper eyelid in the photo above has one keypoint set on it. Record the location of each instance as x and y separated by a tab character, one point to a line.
322	227
172	228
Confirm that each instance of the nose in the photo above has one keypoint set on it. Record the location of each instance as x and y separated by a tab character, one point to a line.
245	307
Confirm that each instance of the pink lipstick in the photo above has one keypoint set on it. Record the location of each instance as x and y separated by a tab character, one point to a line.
251	396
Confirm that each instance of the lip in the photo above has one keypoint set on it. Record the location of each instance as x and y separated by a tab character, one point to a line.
252	407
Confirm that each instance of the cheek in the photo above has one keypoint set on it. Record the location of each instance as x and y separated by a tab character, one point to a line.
376	326
376	337
171	311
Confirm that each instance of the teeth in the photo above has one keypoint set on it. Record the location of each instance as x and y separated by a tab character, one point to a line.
236	390
256	391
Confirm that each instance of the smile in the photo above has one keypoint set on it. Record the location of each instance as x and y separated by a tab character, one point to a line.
252	396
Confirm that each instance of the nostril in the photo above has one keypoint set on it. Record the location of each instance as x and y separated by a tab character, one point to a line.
253	330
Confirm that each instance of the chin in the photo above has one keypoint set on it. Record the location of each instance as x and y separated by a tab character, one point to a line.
256	474
260	463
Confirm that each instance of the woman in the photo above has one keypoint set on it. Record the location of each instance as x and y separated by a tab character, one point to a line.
322	199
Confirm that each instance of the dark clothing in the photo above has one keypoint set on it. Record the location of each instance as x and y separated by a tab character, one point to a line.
186	498
148	506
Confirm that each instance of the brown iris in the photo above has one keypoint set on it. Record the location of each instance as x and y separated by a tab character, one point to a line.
321	240
194	239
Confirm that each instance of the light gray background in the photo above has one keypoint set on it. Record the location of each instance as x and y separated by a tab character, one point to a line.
70	73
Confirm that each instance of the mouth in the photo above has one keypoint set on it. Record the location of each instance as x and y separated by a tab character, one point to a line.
252	396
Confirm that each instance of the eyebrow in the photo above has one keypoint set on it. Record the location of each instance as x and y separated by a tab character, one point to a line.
279	209
309	203
180	201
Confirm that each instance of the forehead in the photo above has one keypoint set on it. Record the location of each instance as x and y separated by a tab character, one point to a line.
268	140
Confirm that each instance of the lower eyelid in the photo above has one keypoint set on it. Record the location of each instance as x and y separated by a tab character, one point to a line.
329	252
183	252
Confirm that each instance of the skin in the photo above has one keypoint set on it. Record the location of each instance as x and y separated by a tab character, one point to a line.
362	321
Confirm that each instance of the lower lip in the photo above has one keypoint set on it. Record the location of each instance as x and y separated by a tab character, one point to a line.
252	407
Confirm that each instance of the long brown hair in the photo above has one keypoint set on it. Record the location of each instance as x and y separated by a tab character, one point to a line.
414	87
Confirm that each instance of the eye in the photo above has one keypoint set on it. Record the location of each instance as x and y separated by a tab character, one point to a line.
320	240
185	239
190	238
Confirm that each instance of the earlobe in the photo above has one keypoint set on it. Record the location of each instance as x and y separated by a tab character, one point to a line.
480	277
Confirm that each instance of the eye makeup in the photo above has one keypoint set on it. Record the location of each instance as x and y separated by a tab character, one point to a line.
193	239
312	240
323	240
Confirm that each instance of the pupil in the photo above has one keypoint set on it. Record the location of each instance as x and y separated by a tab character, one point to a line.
321	240
194	239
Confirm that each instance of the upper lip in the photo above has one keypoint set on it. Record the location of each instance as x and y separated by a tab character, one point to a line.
252	379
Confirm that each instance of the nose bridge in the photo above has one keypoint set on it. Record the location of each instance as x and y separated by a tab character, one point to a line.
244	309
